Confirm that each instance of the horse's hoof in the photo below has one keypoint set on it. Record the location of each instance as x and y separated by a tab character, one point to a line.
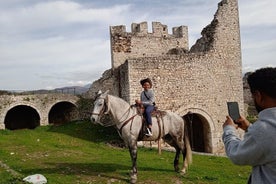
176	169
133	178
183	172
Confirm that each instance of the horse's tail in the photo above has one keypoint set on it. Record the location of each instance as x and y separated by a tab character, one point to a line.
187	143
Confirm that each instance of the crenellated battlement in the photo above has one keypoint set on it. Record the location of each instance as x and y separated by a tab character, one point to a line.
142	43
158	30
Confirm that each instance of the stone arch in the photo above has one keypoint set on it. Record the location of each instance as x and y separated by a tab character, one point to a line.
22	116
200	127
63	112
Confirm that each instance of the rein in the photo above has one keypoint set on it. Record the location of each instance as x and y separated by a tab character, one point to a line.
103	111
126	122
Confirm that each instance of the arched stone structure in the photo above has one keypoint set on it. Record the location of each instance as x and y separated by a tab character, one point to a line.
30	111
201	126
22	116
62	112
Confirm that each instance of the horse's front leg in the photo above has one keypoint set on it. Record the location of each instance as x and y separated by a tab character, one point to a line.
133	154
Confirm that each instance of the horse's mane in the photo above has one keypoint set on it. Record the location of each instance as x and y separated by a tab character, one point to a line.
119	99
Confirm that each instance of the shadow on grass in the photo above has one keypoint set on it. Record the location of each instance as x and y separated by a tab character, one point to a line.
87	131
106	170
81	169
90	168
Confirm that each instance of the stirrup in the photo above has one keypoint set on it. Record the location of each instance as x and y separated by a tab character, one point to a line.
149	134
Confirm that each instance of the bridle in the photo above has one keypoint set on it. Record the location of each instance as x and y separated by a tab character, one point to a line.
104	110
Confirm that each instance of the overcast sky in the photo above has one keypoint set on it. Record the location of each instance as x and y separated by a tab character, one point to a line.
45	44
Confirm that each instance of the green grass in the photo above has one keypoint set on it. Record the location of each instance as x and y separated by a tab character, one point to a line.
79	153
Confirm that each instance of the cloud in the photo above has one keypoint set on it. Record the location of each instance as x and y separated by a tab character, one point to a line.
258	27
259	55
56	16
58	57
258	13
54	39
58	42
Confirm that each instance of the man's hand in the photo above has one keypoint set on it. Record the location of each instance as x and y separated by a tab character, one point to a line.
229	121
241	123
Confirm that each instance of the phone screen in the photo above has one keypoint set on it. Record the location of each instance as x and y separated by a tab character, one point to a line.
233	110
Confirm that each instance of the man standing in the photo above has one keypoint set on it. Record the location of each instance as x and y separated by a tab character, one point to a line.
258	147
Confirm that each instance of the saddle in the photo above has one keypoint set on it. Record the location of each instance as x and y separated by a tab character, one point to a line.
155	113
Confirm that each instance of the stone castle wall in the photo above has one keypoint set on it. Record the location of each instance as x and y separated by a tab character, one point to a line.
198	81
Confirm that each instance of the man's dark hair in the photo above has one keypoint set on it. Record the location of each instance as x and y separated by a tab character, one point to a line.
263	80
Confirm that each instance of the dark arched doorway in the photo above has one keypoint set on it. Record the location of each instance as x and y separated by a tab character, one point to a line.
199	132
22	116
63	112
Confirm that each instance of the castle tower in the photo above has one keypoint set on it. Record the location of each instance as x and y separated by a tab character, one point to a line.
140	43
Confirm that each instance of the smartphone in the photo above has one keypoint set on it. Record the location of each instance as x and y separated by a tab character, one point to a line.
233	110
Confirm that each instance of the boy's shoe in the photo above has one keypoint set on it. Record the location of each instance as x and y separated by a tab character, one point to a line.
149	134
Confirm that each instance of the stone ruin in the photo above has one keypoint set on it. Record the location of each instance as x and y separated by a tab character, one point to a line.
195	83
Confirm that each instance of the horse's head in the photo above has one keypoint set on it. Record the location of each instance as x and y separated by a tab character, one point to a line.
100	107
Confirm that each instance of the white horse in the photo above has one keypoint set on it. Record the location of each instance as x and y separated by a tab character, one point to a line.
129	122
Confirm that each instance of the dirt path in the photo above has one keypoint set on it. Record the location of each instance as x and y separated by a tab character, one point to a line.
8	169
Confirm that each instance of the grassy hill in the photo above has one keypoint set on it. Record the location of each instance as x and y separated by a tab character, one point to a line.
82	153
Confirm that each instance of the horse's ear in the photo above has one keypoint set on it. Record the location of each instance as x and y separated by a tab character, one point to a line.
104	95
99	92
